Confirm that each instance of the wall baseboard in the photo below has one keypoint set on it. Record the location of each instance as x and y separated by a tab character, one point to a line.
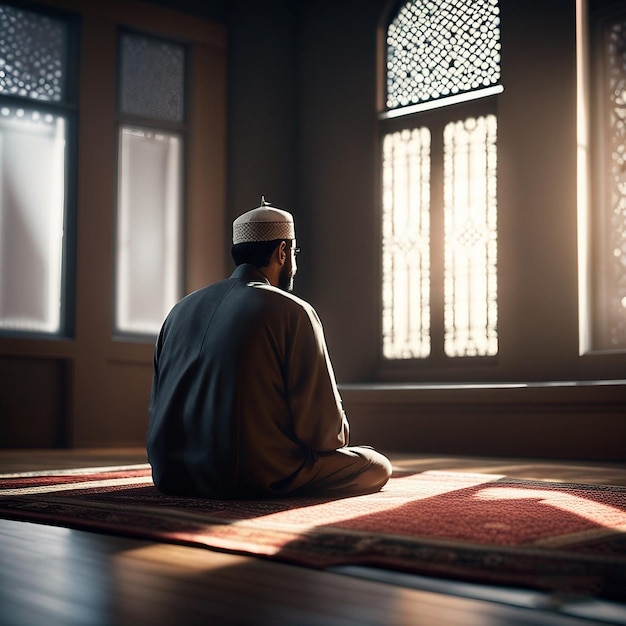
563	420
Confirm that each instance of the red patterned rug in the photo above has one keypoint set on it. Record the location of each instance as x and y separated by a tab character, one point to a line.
561	537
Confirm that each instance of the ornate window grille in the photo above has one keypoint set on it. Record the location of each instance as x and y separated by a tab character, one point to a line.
439	181
610	207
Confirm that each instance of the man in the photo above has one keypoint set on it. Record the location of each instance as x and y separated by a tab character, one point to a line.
244	401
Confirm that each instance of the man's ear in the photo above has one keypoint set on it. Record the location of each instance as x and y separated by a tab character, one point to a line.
282	252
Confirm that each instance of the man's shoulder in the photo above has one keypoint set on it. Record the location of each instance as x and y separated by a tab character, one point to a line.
197	297
219	286
247	294
282	298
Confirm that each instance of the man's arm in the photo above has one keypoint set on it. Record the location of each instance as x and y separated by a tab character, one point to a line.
318	417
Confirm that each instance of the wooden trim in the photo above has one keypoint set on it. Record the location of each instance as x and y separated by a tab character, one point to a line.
31	346
560	420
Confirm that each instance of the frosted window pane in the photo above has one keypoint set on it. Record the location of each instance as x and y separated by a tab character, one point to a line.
406	248
470	246
440	48
32	55
32	200
615	220
152	78
148	229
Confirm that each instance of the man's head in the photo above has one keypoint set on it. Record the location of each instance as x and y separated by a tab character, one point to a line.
266	237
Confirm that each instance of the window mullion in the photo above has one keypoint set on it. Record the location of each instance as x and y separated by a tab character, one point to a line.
437	251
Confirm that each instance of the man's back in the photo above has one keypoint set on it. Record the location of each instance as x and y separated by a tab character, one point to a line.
243	392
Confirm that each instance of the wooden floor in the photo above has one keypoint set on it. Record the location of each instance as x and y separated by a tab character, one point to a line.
55	576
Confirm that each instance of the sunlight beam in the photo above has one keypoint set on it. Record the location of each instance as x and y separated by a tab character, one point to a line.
596	512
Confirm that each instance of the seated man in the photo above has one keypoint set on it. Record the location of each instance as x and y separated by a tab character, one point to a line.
244	401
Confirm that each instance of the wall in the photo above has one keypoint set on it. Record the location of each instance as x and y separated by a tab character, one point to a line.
574	421
334	45
302	130
262	124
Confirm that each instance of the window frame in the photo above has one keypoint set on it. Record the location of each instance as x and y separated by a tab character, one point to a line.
179	128
597	15
67	108
435	115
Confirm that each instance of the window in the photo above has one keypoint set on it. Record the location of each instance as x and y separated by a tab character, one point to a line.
36	118
439	172
606	213
150	182
470	237
90	212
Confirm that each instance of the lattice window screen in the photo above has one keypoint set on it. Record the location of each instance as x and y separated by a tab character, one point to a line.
406	247
439	181
439	48
470	279
615	250
32	55
152	78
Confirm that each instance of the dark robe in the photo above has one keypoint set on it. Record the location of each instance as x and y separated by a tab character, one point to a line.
244	401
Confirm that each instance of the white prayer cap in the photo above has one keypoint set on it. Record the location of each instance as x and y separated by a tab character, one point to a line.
265	223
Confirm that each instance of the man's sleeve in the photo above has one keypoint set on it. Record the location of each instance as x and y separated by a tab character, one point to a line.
318	417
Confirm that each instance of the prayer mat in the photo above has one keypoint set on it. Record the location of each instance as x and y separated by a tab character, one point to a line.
486	528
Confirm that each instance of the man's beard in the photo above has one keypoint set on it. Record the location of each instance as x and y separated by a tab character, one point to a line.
285	278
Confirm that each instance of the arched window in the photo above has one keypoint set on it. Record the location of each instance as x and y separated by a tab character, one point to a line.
439	181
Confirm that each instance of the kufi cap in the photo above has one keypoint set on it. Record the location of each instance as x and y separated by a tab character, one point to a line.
265	223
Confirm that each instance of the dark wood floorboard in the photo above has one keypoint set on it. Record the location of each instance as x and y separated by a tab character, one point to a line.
38	460
55	576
